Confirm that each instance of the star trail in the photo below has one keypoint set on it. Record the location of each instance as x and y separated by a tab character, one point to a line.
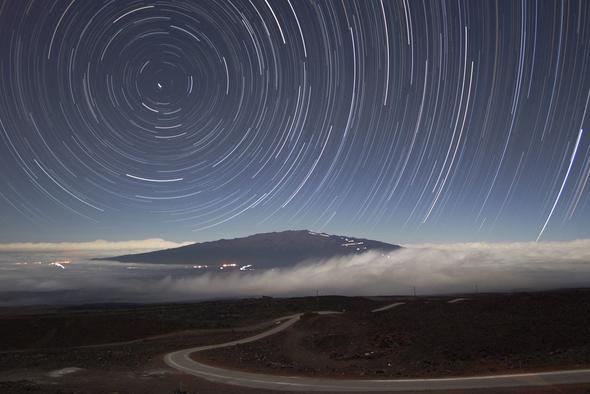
400	120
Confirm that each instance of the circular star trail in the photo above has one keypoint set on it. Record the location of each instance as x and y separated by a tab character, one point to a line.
414	119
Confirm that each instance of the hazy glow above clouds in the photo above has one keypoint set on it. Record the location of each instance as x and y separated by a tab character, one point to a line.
98	245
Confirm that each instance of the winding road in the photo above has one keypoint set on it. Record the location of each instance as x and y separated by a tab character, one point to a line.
387	307
181	360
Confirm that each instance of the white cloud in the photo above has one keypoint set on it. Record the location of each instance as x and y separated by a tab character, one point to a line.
432	269
146	244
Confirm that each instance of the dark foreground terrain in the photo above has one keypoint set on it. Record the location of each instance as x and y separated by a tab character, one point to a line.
428	337
106	349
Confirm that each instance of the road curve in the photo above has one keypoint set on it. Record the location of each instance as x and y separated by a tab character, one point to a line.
180	360
387	307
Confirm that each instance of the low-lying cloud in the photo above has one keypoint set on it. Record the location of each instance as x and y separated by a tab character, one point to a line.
98	245
428	268
431	269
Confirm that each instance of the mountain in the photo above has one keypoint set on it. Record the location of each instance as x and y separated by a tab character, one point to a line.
268	250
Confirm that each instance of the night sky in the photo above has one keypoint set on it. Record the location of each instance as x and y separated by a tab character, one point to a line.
405	121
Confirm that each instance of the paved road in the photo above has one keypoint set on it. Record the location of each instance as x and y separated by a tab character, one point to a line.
456	300
181	361
386	307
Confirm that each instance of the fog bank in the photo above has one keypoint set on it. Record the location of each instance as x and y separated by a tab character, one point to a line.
431	269
98	245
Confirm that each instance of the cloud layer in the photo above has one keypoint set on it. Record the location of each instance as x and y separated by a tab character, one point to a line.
98	245
430	268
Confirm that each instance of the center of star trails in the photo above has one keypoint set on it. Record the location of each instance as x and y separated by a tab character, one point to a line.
154	180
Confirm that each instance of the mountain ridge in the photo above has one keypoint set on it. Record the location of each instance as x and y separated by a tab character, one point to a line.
263	250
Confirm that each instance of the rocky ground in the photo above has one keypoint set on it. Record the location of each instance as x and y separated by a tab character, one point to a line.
95	324
119	349
484	334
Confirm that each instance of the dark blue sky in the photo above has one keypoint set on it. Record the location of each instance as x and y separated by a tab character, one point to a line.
405	121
